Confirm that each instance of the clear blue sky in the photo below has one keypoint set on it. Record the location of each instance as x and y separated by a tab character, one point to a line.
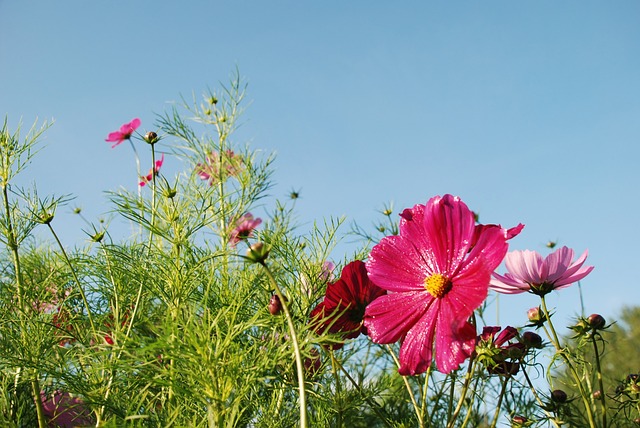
530	111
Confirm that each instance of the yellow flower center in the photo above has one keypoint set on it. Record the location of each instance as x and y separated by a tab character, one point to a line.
437	285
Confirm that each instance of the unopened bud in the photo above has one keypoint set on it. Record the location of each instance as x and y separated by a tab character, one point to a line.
597	394
535	314
275	305
151	137
97	237
531	340
258	252
596	321
169	192
519	421
559	396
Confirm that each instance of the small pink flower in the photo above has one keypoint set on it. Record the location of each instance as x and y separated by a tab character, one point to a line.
63	410
437	271
153	171
244	228
124	133
218	166
528	271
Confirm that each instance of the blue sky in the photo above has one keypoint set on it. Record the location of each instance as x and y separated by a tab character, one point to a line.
527	110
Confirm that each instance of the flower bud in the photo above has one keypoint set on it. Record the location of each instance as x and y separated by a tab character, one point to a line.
596	321
519	421
169	192
151	137
597	394
531	340
275	305
258	252
97	237
535	314
559	396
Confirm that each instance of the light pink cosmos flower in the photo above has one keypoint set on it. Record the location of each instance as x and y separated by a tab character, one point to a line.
244	228
437	271
63	410
528	271
124	133
219	166
153	171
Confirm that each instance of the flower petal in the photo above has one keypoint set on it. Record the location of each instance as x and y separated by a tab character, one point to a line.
389	317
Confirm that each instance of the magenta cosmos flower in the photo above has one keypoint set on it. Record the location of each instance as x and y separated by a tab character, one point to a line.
124	133
437	271
153	171
244	228
63	410
342	310
528	271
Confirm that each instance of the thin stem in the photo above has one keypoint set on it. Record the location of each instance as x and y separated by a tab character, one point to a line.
600	384
500	397
338	393
13	246
296	347
425	391
537	397
35	388
465	389
75	277
373	404
409	390
561	351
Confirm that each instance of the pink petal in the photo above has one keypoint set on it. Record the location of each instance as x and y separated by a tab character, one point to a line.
449	225
417	347
395	264
525	266
389	317
455	341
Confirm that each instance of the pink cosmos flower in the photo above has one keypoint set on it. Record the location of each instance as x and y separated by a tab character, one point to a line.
342	310
528	271
218	167
124	133
437	271
63	410
153	171
244	228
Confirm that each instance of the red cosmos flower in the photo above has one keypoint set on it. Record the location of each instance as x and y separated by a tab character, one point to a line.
244	228
437	271
124	133
342	310
153	171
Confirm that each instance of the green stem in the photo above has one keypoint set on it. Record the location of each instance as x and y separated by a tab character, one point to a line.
500	397
35	388
338	393
425	391
465	389
75	277
374	406
13	246
561	351
409	390
600	384
296	347
537	397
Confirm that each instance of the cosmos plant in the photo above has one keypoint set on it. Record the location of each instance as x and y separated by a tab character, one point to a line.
217	306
